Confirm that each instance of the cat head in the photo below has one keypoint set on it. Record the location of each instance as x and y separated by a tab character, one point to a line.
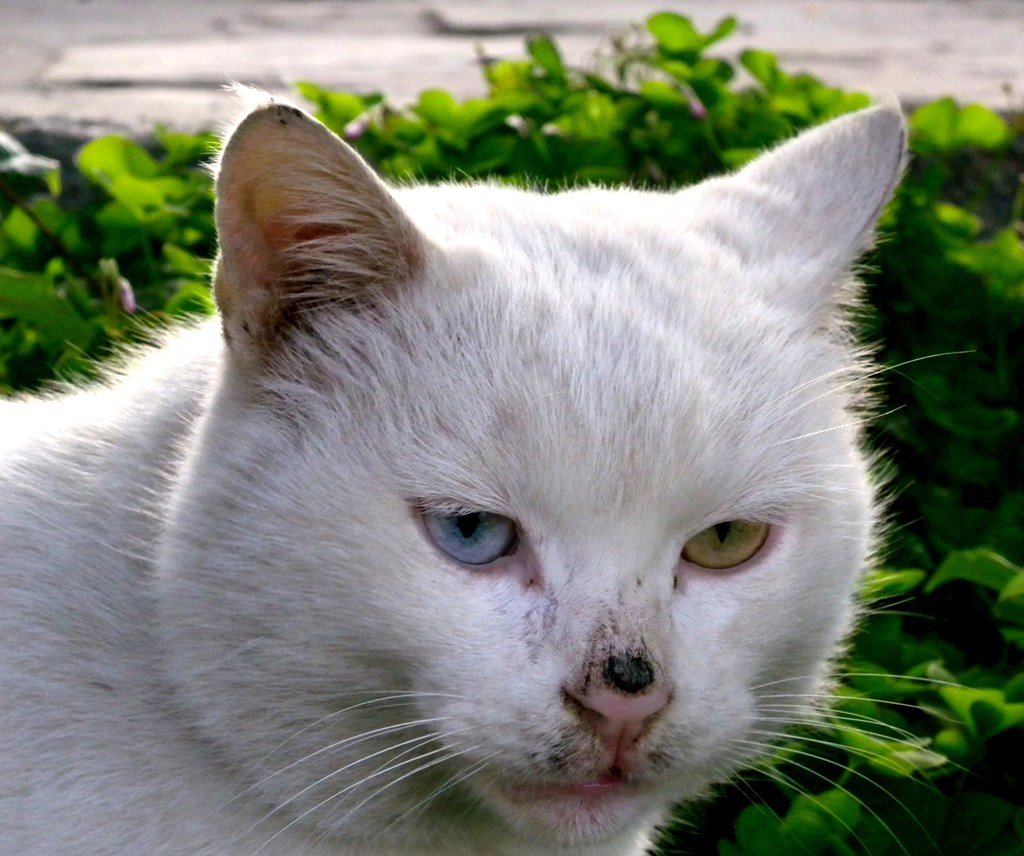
521	515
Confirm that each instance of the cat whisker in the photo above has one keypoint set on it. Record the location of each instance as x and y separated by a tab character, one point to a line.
786	781
836	721
854	423
825	701
413	743
420	741
802	739
352	740
772	772
922	679
821	701
433	763
407	698
860	378
782	778
283	804
450	783
887	675
822	705
446	754
850	723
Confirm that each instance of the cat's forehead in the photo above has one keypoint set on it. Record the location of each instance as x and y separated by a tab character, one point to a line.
602	255
549	353
595	227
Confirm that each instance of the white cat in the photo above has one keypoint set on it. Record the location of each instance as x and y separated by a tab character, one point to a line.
494	523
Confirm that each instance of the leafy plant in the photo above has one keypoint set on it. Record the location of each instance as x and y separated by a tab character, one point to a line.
921	750
70	281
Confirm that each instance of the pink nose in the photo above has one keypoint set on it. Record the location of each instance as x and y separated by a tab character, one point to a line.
621	704
620	719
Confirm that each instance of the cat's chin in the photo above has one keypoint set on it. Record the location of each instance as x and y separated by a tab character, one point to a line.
574	813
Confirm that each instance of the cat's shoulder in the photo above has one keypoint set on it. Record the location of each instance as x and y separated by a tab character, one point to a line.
170	370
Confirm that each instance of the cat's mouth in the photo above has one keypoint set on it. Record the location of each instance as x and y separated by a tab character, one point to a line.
610	783
584	810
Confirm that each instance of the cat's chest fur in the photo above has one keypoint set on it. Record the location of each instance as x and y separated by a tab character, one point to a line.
491	523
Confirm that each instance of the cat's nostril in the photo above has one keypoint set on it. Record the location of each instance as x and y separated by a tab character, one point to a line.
631	673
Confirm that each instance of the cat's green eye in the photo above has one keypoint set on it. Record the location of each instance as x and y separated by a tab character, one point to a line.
726	544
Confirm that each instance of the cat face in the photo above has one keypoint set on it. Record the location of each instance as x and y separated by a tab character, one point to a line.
513	515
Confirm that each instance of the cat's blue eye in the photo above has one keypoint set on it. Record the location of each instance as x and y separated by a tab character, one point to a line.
472	538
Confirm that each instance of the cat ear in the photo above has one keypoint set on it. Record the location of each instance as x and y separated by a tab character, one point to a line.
807	209
302	223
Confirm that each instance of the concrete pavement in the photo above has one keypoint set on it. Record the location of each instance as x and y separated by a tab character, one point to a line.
100	64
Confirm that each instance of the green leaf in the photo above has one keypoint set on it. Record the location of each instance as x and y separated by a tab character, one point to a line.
985	711
32	299
957	220
185	149
758	832
663	95
110	158
764	68
121	229
337	109
954	744
676	35
738	157
191	298
881	583
981	567
814	821
546	55
1014	689
946	404
591	115
1010	604
1001	259
20	230
723	28
1013	636
979	126
986	718
145	197
891	758
437	107
983	824
935	125
943	127
807	827
489	154
181	261
841	806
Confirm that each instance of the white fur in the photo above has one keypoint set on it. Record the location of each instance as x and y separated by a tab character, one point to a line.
223	630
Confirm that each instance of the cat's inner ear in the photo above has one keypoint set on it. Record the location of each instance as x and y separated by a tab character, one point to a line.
303	224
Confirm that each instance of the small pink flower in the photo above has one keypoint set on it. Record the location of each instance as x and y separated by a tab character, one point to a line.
356	128
127	297
697	108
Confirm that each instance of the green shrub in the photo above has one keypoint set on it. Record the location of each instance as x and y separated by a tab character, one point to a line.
922	752
71	279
